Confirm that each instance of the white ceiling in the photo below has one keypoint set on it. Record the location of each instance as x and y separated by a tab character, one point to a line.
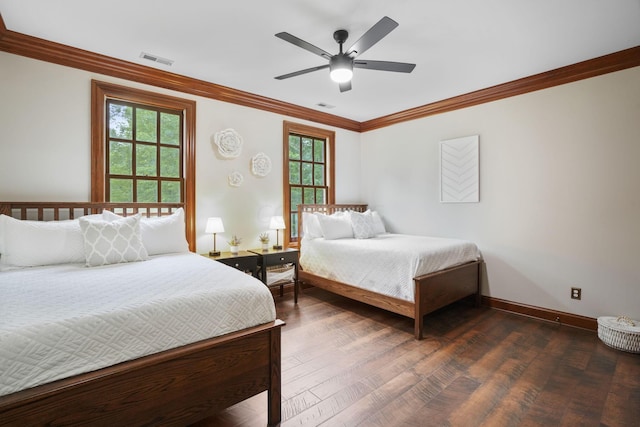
458	45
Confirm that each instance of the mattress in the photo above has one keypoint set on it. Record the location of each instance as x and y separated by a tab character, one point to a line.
385	264
65	320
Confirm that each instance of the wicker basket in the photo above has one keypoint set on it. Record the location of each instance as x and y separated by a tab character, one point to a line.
280	274
620	333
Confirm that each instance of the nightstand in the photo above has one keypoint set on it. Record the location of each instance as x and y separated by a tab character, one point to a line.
275	257
243	261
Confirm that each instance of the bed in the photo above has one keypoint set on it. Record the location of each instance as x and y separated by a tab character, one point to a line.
447	280
152	377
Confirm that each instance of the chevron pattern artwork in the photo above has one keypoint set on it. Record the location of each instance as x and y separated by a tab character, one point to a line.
460	170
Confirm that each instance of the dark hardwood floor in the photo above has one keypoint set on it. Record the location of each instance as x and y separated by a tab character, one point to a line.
347	364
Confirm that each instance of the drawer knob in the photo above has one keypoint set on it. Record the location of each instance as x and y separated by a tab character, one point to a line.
281	258
237	265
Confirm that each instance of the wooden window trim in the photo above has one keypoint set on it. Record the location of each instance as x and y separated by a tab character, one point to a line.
319	133
100	91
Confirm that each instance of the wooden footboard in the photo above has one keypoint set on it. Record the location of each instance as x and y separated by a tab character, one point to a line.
439	289
175	387
432	291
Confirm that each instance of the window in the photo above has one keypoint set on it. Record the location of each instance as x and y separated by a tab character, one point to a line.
143	153
143	149
308	172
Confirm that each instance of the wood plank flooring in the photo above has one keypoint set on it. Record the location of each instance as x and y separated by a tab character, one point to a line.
348	364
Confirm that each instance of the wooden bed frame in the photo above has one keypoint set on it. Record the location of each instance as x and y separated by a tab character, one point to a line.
175	387
431	292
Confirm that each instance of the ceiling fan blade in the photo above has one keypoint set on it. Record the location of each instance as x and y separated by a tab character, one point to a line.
345	86
305	71
303	44
372	36
399	67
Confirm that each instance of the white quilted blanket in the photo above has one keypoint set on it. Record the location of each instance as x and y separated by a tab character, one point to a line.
385	264
65	320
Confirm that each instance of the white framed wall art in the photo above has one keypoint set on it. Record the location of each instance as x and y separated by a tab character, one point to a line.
460	170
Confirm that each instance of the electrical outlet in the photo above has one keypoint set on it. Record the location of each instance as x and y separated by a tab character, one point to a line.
576	293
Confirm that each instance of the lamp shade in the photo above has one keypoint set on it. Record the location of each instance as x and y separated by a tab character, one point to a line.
214	225
277	223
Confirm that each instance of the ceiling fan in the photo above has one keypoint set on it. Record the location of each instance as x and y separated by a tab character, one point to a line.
341	64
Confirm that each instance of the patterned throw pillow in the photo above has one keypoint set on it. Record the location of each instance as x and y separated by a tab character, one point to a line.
112	242
363	225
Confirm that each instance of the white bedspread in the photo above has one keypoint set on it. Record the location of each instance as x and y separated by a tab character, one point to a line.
385	264
65	320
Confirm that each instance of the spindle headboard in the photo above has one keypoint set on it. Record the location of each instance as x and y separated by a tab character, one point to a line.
56	211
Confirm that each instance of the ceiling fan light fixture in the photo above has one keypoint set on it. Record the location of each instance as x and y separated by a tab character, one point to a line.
341	68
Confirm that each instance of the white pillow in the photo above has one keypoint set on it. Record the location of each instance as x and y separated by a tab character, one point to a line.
362	224
378	225
310	226
335	226
112	242
160	235
34	243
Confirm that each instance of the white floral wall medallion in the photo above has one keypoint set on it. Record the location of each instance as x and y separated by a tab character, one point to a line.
260	164
229	143
235	179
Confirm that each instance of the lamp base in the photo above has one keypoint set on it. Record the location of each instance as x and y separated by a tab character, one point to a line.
214	253
278	247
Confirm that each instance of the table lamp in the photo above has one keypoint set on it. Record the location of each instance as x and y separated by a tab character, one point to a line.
214	225
277	223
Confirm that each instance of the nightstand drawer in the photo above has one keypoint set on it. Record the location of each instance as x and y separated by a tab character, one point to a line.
280	258
243	261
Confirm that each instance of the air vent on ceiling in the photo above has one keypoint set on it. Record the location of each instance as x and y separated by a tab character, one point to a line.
325	105
156	58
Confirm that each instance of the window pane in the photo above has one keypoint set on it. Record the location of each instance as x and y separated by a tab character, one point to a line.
120	121
146	160
121	190
309	195
169	129
294	224
171	192
307	174
146	125
294	173
120	154
294	147
147	191
296	197
318	175
318	151
320	198
169	162
307	149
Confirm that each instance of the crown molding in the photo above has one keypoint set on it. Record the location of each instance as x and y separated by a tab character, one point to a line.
44	50
617	61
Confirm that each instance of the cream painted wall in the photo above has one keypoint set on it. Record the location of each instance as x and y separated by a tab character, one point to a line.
559	191
45	149
560	198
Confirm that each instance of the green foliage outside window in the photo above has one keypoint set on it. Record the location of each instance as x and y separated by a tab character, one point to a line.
307	174
144	154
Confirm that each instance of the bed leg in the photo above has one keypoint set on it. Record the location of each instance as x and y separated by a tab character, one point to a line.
418	327
274	394
478	301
